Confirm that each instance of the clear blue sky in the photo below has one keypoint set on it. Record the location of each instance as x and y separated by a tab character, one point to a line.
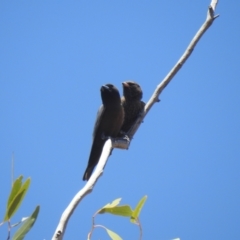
54	57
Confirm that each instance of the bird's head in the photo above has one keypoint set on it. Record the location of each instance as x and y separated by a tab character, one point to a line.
110	94
132	91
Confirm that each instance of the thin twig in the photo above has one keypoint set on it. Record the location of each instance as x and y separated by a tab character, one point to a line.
140	228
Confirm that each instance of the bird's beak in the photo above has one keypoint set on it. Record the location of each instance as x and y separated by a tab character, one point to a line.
125	84
105	86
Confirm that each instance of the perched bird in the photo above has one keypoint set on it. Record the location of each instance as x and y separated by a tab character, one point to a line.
132	104
109	121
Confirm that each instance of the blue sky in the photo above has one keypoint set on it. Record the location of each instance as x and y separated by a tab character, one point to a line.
54	57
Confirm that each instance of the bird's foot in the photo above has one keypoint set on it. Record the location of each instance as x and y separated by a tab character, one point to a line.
126	137
104	137
121	142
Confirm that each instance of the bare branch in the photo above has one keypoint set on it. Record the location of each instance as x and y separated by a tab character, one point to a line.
214	4
155	97
60	230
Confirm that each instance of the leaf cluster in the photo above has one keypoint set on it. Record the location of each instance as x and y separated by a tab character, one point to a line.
16	196
123	211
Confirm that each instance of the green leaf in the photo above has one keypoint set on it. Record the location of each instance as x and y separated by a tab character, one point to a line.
17	199
124	211
27	225
137	210
15	188
112	208
113	235
113	204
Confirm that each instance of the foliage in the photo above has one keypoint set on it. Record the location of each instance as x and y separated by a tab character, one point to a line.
16	196
124	211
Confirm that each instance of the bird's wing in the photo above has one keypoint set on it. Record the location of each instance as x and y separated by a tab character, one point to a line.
98	119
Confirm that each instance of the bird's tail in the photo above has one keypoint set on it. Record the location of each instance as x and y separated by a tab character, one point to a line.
95	154
88	173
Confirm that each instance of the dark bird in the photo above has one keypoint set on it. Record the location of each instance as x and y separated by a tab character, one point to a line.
108	124
132	104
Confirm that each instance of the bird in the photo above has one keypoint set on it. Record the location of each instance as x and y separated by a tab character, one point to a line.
109	121
132	104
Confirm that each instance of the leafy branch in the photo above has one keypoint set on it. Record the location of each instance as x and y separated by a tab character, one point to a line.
123	211
16	196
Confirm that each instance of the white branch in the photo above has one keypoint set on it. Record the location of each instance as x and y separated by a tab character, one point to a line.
124	144
214	4
59	232
155	97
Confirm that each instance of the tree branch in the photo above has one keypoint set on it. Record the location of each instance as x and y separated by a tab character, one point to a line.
155	97
123	143
59	232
